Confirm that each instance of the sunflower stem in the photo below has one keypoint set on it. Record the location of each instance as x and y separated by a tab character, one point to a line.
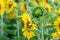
2	31
42	33
38	37
47	33
17	25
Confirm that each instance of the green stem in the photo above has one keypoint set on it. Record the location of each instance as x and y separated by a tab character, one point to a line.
17	25
42	33
47	33
2	31
18	30
38	37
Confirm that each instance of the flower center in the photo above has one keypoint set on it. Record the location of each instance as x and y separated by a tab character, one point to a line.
10	5
25	6
59	25
29	25
46	0
0	7
46	9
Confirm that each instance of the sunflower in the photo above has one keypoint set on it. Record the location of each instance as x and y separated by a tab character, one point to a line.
23	7
2	7
48	8
10	6
7	0
57	11
55	36
39	1
34	3
44	3
57	24
37	12
28	26
11	15
25	16
49	24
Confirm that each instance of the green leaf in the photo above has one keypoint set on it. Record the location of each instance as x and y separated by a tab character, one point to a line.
37	32
4	38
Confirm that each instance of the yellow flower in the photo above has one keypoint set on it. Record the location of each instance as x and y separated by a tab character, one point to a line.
25	17
27	30
57	24
44	3
34	3
39	1
59	0
23	7
49	24
2	7
28	26
55	35
48	8
57	11
28	34
10	6
7	1
11	15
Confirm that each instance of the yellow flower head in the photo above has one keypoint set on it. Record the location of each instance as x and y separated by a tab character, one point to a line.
27	30
57	11
57	24
10	6
7	1
38	1
28	26
25	17
34	3
55	35
28	34
23	7
44	2
11	15
2	7
49	24
48	8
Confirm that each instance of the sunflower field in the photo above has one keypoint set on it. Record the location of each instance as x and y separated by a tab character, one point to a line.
29	19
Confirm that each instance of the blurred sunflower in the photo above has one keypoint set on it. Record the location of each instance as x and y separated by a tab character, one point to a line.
55	35
2	7
49	24
57	24
6	1
28	26
57	11
11	15
38	1
10	6
35	3
23	7
44	2
37	12
48	8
